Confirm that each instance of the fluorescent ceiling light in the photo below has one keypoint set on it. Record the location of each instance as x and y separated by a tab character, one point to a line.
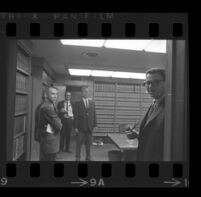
79	72
83	42
138	76
105	73
129	75
127	44
158	46
101	73
122	75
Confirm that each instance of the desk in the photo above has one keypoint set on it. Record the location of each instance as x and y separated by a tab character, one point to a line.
123	143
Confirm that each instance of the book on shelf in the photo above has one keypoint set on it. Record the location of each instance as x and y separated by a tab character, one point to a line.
23	61
19	124
21	102
104	87
20	146
21	82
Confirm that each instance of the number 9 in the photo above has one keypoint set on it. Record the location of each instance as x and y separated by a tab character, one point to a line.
4	181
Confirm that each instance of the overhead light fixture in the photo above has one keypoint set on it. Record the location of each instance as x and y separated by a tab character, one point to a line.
105	73
101	73
158	46
122	75
138	76
79	72
83	42
138	45
129	75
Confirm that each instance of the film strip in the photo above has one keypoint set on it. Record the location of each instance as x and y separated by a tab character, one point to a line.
170	173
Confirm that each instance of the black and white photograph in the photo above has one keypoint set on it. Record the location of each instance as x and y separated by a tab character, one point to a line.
97	100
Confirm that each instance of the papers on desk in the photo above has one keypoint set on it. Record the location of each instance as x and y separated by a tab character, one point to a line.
131	142
122	142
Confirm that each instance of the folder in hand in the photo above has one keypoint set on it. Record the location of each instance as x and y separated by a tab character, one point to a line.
49	129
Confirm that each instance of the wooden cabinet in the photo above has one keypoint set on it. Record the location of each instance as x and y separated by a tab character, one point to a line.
104	97
22	128
119	102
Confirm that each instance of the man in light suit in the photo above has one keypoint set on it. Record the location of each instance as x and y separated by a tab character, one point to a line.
85	121
66	115
49	125
151	131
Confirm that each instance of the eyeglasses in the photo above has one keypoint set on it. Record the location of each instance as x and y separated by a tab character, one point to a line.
153	83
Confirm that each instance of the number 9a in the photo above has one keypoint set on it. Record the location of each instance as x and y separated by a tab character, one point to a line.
4	181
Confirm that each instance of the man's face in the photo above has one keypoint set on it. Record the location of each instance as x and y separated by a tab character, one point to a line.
155	85
85	92
52	94
68	95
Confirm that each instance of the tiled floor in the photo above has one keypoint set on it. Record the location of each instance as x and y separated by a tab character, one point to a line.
98	153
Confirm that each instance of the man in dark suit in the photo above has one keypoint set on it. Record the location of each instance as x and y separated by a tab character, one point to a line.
66	115
85	121
49	125
151	131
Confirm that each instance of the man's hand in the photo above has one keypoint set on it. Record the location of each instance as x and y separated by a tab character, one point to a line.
132	135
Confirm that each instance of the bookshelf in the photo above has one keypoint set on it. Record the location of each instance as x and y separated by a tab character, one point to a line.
22	103
104	96
119	102
127	104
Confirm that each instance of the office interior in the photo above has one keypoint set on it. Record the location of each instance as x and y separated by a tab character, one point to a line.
33	65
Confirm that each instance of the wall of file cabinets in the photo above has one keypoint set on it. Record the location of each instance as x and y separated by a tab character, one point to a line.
119	102
22	103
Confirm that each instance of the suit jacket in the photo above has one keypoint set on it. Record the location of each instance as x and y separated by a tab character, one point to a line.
37	116
60	106
48	115
151	135
84	119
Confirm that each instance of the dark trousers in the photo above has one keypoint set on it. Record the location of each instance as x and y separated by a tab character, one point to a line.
85	137
66	134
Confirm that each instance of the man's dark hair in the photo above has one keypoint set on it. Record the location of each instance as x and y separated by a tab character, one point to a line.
160	71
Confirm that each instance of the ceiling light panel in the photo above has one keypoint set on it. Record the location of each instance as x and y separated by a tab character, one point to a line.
83	42
157	46
129	75
127	44
79	72
101	73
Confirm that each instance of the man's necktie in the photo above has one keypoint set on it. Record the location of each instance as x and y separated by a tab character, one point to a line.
54	107
152	109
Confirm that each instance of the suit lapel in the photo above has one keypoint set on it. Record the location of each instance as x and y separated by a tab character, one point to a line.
144	119
155	113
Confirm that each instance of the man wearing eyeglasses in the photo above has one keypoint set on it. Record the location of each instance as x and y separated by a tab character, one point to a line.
151	129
